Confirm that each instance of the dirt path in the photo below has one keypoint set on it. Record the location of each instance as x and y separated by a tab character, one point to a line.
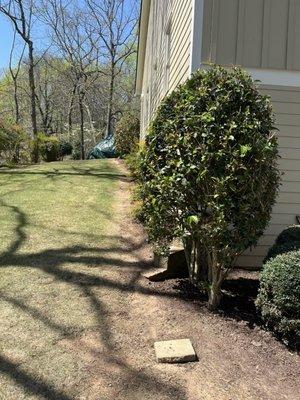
235	362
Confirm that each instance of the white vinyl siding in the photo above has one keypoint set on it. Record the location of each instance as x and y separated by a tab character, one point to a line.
286	102
167	58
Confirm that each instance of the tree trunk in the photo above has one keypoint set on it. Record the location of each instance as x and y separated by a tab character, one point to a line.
81	112
217	277
16	101
108	130
32	101
70	110
204	270
197	261
214	296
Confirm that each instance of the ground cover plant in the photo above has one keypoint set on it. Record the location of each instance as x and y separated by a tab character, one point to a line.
208	173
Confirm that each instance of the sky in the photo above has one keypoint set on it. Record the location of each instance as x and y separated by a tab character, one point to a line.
6	36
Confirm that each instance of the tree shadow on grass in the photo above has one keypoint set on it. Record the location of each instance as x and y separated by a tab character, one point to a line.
30	383
56	172
57	262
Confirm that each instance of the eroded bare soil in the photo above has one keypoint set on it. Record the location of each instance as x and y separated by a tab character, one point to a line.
237	358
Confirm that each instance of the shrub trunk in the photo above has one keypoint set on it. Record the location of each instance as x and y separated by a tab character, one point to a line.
204	270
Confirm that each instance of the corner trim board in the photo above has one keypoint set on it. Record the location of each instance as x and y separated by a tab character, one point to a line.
196	35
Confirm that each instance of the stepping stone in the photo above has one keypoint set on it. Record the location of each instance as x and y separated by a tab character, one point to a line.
175	351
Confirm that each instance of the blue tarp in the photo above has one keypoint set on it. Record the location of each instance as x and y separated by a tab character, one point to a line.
104	149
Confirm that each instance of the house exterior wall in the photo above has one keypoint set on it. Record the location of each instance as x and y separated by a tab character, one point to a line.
167	58
252	33
286	102
261	35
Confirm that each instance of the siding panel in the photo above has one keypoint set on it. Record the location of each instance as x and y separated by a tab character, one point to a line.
167	55
252	33
287	206
293	59
275	34
225	31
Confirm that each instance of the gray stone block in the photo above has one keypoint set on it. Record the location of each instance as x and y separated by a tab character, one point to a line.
175	351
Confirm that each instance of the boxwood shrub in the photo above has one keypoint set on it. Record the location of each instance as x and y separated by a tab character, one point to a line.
287	240
290	234
279	296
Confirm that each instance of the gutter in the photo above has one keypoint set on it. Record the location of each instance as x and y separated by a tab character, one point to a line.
143	31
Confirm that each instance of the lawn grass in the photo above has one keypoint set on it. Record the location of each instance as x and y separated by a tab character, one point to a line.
56	221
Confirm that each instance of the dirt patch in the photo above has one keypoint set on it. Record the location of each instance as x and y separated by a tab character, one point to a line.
237	358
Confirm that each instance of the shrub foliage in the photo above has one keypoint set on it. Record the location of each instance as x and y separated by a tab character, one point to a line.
127	134
288	240
48	147
208	173
279	296
13	142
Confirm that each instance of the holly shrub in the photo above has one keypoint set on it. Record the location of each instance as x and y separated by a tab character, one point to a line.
279	296
209	170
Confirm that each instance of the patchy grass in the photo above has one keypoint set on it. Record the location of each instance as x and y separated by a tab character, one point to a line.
56	221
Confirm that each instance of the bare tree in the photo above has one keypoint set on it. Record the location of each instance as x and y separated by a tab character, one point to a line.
20	13
116	22
73	38
14	73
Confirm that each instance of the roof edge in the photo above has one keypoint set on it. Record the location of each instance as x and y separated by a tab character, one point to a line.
143	31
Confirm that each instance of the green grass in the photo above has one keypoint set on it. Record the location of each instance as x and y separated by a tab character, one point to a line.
56	228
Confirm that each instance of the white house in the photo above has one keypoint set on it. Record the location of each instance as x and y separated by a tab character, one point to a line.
179	36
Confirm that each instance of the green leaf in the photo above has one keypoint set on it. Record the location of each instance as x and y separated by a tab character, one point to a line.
192	220
244	150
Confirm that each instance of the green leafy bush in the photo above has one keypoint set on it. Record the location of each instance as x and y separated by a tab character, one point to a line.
209	173
13	142
132	160
65	148
76	151
290	234
279	296
287	240
278	249
127	134
48	147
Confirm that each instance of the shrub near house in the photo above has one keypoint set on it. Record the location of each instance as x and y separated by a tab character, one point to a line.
209	173
279	296
127	134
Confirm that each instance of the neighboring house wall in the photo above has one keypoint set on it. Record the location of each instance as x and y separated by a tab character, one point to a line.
167	58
